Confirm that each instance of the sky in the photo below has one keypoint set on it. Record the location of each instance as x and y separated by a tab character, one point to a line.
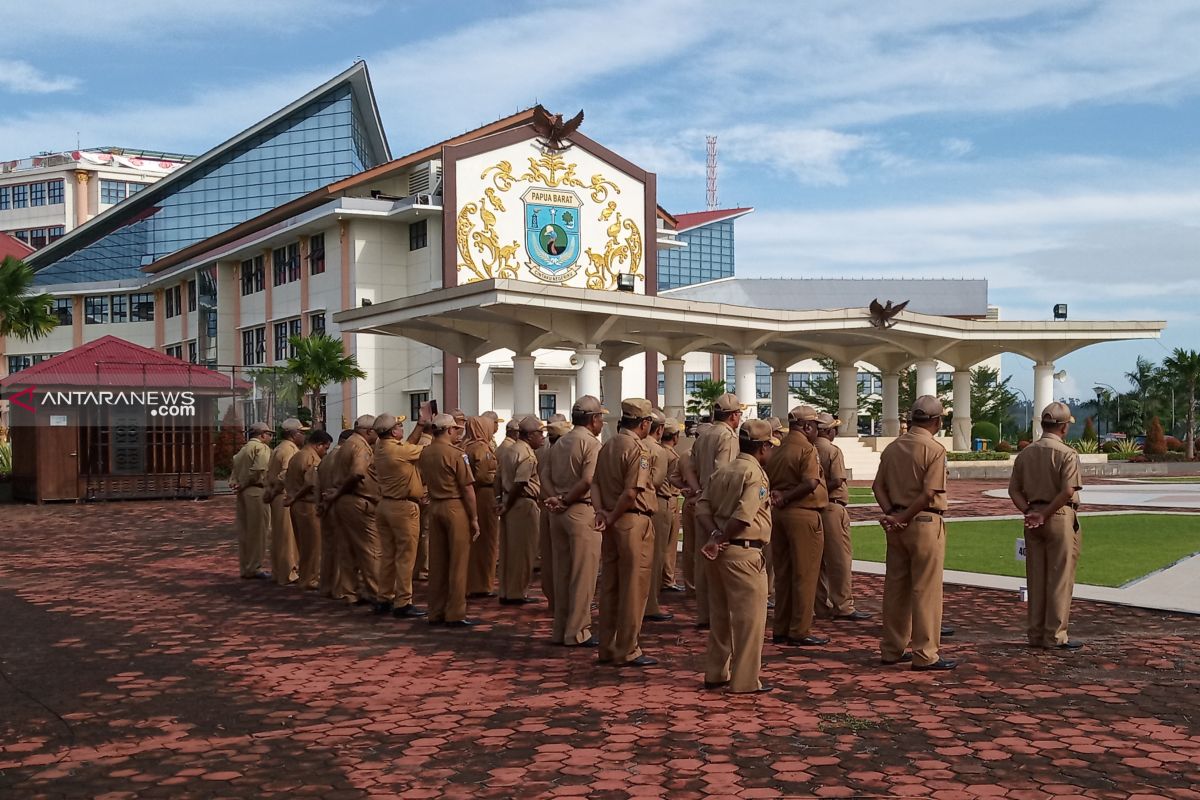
1049	147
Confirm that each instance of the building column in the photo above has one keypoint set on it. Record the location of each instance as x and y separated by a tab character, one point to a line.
847	376
927	377
891	404
961	421
81	200
674	388
524	386
1043	393
610	382
587	377
468	386
781	392
745	366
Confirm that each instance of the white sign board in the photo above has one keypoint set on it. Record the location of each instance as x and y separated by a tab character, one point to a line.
58	420
1020	549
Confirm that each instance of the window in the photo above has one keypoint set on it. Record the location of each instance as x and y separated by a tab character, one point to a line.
279	266
95	310
64	309
141	308
945	382
112	191
55	233
316	254
173	301
254	346
294	329
37	194
18	363
37	238
5	198
293	262
281	337
418	234
120	308
192	352
692	380
547	405
322	407
252	275
22	235
20	196
191	295
415	401
54	192
316	324
174	351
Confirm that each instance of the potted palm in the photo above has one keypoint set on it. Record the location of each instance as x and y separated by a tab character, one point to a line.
320	360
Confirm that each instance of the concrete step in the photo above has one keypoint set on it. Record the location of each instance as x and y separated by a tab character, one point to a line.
861	460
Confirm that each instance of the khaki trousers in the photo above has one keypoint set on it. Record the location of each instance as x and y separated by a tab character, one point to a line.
330	568
421	563
1051	555
449	554
546	559
399	524
796	544
689	546
662	540
481	572
518	548
283	543
308	542
672	550
357	518
576	552
835	596
737	585
626	551
912	590
700	575
253	527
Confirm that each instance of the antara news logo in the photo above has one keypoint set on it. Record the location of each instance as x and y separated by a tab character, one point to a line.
158	404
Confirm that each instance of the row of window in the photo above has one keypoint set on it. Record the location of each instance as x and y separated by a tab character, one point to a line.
174	299
18	363
113	192
26	195
254	340
285	265
37	238
176	351
102	309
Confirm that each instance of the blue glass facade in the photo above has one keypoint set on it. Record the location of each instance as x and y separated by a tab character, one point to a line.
322	142
707	257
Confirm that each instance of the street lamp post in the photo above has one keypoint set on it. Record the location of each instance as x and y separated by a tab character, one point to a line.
1116	394
1026	406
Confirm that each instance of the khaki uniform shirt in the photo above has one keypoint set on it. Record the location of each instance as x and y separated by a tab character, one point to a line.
396	468
909	464
833	467
623	463
1045	468
280	459
519	464
572	459
250	464
357	458
740	490
446	471
716	448
327	477
663	462
794	462
484	463
301	472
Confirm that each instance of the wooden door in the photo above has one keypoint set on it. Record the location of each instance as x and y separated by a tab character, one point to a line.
58	456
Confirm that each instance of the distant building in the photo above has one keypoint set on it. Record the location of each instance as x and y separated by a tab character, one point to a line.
708	254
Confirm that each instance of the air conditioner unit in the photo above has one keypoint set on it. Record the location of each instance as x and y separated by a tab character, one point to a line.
424	178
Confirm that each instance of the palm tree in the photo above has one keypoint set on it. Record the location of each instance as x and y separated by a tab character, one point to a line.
1146	382
280	386
320	360
703	397
1182	370
24	315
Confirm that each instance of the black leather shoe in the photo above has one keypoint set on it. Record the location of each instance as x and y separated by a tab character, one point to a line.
947	630
1069	645
362	601
904	659
674	588
940	665
702	626
762	689
770	604
592	642
480	595
660	617
462	623
258	576
779	638
517	601
641	661
807	641
712	686
381	608
854	616
409	611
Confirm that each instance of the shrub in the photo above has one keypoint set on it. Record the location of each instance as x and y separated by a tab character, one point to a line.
1174	445
229	440
1021	445
1156	443
1004	446
1086	446
1089	430
985	430
980	455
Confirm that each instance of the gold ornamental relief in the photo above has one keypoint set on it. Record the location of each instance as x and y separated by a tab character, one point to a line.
618	256
495	260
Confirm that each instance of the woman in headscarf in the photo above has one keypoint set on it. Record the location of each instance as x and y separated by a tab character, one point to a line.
480	446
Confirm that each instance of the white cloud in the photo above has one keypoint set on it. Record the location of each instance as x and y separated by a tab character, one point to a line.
956	147
20	77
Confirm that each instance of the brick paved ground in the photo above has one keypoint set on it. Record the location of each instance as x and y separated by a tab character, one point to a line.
136	664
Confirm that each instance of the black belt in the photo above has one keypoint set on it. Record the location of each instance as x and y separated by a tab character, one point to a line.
1074	506
409	499
749	543
484	485
937	511
643	513
840	502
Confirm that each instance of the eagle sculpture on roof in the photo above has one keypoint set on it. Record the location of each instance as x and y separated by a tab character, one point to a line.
885	316
553	130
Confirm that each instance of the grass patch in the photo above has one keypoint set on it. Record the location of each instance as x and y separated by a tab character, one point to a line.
1181	479
846	723
1116	549
861	494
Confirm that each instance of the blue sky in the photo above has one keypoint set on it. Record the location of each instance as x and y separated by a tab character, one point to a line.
1051	148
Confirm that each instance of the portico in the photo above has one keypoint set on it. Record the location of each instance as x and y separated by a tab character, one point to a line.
603	328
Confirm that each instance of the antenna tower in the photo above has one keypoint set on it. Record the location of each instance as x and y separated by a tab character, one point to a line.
711	173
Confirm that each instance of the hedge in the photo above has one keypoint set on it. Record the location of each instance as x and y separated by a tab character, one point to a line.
979	455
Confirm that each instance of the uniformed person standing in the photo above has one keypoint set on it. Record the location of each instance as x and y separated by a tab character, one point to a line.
910	488
660	470
624	502
453	522
1045	488
355	499
302	492
330	582
736	511
798	496
574	537
715	448
253	516
480	447
689	485
284	558
835	592
555	430
670	442
398	514
520	492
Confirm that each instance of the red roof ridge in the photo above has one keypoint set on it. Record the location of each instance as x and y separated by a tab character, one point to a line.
695	219
12	246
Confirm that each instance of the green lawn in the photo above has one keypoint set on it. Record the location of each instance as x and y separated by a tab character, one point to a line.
861	494
1180	479
1116	549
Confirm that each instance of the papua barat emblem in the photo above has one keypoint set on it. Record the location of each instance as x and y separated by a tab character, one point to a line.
552	233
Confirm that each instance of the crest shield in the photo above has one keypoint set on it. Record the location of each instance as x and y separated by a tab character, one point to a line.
552	233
